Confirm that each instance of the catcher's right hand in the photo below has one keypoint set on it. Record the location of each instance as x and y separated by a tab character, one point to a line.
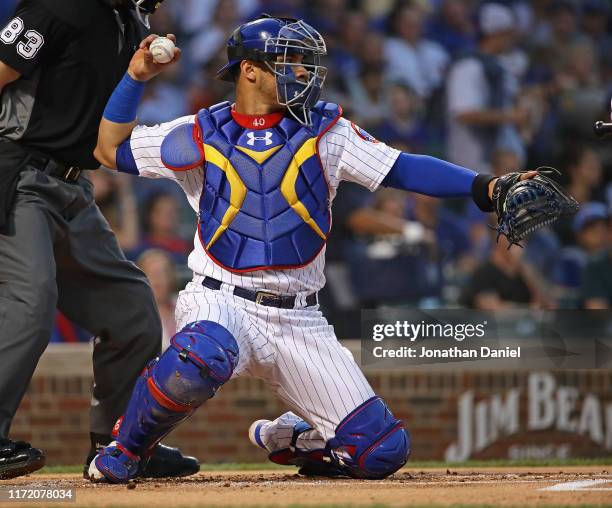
522	206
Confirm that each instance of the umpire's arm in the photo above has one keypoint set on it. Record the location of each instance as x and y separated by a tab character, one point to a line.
119	117
7	75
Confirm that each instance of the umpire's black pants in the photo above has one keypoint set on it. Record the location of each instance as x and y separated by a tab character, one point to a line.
59	251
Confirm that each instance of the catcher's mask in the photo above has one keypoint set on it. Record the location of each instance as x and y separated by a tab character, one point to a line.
276	42
144	8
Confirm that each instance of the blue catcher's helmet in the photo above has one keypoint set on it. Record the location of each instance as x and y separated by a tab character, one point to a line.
275	42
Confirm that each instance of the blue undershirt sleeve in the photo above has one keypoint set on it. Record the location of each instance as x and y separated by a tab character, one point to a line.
431	176
125	159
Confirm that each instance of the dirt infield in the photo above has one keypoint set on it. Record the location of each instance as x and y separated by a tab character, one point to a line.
535	486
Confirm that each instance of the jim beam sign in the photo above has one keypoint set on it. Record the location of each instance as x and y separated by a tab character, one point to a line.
549	407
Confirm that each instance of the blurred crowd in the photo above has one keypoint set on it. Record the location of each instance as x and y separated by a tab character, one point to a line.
494	86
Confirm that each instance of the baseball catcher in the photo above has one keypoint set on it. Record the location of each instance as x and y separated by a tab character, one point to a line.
261	175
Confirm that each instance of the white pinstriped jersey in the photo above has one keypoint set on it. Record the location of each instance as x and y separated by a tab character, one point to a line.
345	155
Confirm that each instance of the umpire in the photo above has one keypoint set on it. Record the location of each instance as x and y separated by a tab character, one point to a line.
59	62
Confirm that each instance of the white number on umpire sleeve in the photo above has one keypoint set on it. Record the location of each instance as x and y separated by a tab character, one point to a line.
11	31
30	48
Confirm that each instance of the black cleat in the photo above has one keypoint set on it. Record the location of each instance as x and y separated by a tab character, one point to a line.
18	458
168	462
165	462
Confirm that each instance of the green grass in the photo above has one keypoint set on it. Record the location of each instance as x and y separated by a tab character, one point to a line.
268	466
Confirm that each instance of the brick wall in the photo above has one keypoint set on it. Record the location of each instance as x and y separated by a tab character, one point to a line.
54	413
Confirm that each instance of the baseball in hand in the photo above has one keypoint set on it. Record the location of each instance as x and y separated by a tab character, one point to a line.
162	50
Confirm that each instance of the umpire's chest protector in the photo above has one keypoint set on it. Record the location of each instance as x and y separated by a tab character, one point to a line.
265	199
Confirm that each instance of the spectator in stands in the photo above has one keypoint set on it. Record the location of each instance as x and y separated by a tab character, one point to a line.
190	16
372	50
367	98
501	282
160	226
350	86
206	44
536	19
404	121
411	58
193	16
346	56
384	214
161	272
591	232
164	99
453	27
597	279
450	230
582	95
380	239
113	194
504	161
481	113
328	16
561	32
595	20
582	165
591	228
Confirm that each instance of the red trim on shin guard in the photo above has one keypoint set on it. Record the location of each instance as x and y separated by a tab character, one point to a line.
163	400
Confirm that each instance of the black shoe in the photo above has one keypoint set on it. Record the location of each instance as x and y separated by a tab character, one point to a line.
18	458
168	462
165	462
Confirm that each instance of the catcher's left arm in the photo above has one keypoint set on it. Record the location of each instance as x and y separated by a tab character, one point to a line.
523	201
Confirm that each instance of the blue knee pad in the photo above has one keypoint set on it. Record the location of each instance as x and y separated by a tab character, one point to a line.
200	359
370	442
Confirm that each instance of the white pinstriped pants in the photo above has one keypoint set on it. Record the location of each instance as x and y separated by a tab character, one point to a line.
295	351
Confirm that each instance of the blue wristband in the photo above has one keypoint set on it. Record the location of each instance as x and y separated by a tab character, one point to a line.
123	103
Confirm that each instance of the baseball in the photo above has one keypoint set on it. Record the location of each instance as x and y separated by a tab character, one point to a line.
162	50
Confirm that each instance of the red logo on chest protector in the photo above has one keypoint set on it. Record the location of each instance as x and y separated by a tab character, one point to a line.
363	134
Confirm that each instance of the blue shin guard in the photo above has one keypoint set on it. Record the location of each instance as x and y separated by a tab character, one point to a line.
200	359
370	442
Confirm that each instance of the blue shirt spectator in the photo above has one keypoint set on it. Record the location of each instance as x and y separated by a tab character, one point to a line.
453	28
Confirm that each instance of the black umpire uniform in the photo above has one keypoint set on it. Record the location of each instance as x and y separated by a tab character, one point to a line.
56	248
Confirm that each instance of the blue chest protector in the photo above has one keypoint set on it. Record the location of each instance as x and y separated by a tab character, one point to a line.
265	202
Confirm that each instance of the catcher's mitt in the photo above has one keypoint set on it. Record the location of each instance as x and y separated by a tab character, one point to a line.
524	206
